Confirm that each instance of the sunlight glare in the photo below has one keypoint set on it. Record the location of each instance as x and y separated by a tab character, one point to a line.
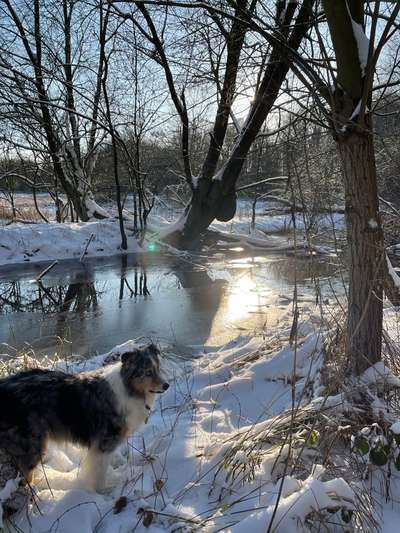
242	296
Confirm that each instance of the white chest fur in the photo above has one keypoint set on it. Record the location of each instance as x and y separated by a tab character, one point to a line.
135	410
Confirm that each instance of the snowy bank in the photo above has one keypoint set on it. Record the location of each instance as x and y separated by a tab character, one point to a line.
21	243
267	224
29	243
204	461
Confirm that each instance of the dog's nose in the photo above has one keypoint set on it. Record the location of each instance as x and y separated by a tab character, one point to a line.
165	386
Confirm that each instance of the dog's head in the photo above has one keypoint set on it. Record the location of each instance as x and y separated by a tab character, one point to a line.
140	371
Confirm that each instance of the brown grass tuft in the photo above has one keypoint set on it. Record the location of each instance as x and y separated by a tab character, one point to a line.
22	212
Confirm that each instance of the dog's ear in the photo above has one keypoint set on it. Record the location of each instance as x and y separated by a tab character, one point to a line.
129	356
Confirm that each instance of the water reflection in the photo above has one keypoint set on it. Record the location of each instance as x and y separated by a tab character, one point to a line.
139	287
106	302
243	295
16	297
204	291
79	297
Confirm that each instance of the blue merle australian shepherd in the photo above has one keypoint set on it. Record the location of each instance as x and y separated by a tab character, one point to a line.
97	410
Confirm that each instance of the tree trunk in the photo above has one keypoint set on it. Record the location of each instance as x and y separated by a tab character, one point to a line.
353	133
215	197
365	243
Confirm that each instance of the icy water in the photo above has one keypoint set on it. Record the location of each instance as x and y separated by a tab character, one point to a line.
87	308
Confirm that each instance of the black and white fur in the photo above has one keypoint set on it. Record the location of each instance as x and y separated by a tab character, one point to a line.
97	410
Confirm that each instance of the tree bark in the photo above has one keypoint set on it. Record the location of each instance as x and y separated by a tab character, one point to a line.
353	133
365	251
234	45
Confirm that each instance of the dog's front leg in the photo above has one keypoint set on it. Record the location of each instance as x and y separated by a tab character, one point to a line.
94	469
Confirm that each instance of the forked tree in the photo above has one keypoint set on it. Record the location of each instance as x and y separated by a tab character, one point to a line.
214	189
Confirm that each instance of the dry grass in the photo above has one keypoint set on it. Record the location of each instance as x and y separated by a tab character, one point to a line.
22	212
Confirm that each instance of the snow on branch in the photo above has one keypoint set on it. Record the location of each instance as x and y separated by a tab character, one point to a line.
392	273
6	492
362	42
94	210
362	45
266	180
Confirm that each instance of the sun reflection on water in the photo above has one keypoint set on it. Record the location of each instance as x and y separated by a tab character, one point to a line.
242	296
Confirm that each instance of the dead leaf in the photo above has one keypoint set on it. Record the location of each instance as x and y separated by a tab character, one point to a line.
147	518
158	485
120	504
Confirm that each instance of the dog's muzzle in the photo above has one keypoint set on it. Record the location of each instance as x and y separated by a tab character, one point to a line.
165	386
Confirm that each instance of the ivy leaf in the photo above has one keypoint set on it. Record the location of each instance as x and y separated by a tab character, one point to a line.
378	456
346	514
147	518
120	504
312	438
361	444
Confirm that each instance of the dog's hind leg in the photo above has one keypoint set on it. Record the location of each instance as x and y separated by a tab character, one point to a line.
27	451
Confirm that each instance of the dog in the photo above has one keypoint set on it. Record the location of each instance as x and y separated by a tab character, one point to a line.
96	409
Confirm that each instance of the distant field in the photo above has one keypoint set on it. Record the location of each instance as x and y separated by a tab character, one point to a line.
25	207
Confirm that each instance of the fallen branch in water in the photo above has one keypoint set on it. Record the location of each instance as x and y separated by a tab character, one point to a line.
46	270
86	247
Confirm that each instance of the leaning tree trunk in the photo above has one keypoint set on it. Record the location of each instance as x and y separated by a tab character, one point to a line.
215	196
365	251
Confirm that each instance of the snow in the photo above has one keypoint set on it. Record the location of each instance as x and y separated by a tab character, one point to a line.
9	488
378	374
372	223
362	44
280	223
297	503
212	418
30	242
395	428
283	14
93	207
356	111
21	243
195	181
218	176
167	229
392	273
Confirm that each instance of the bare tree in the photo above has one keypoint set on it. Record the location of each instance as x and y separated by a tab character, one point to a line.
39	91
213	191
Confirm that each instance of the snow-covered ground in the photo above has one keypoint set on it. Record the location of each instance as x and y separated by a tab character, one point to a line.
212	455
282	223
21	243
37	242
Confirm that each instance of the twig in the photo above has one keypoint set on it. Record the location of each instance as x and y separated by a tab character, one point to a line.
46	270
86	247
267	180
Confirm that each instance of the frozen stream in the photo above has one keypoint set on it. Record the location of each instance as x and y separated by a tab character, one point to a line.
86	308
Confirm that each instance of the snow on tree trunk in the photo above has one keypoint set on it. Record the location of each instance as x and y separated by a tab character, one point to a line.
76	186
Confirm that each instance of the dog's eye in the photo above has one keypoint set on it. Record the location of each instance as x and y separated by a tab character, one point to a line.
149	373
